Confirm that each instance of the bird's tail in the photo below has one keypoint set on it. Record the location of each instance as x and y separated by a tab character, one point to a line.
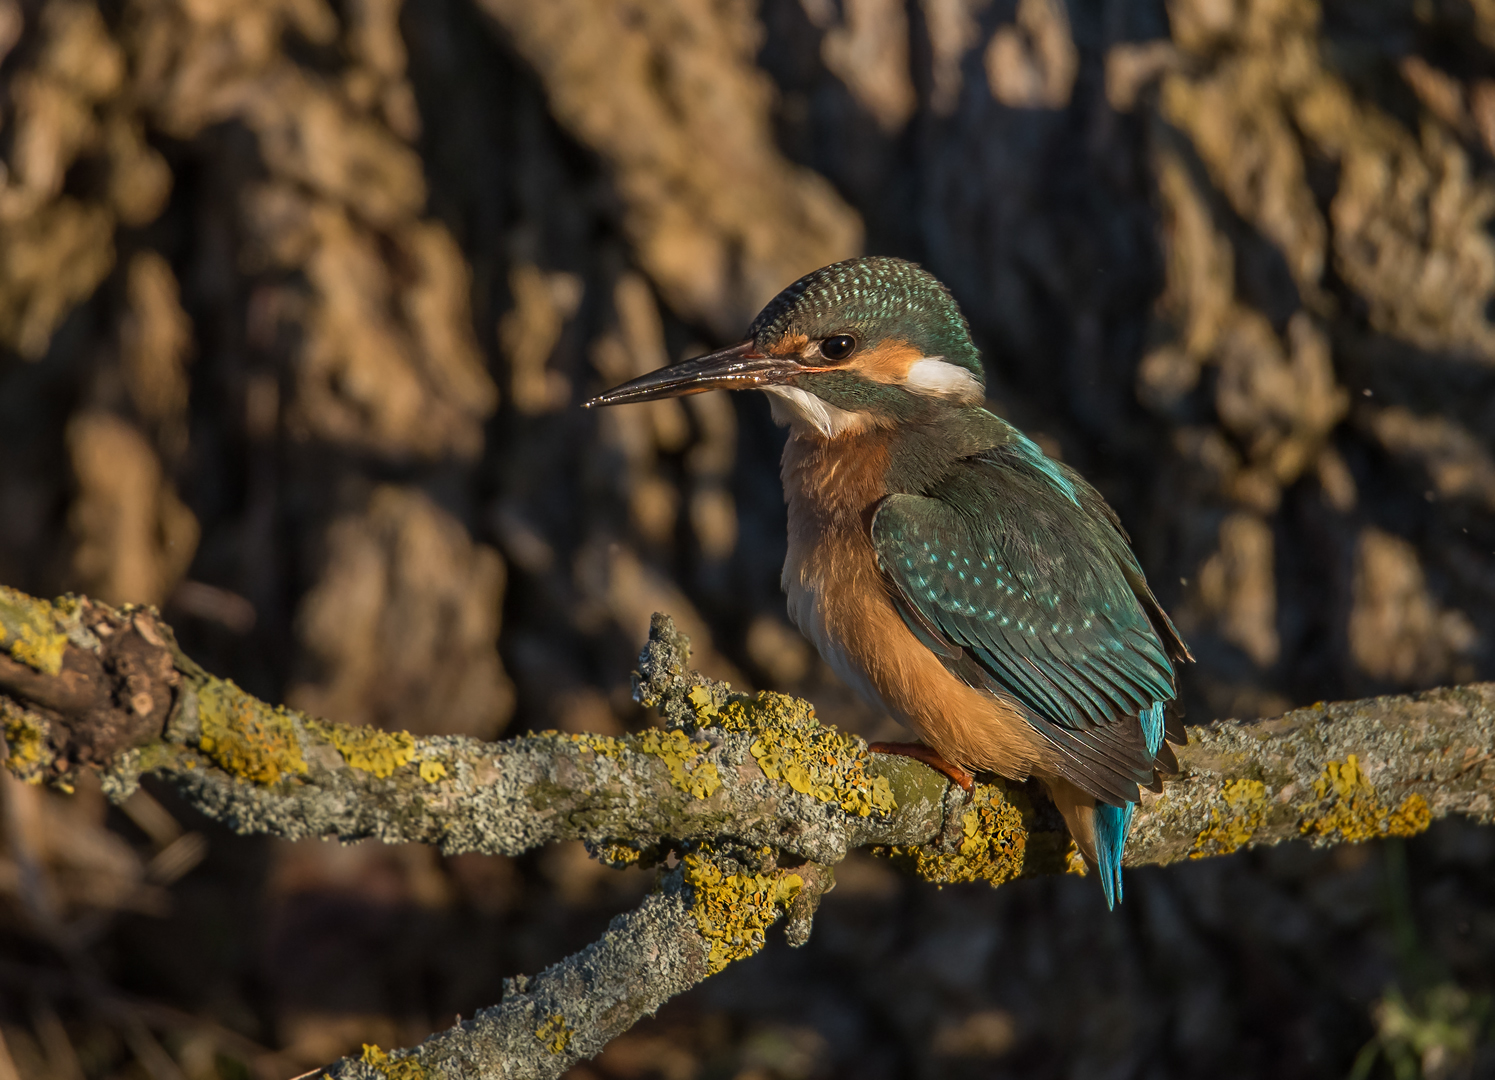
1111	826
1112	823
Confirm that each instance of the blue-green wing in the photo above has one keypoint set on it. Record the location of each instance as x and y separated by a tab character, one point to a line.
1017	573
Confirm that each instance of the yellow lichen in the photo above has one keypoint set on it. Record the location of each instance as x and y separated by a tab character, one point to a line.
26	740
733	911
700	698
1347	804
797	749
993	846
1074	861
432	771
245	736
555	1033
601	745
705	781
1413	816
680	754
683	757
405	1068
29	631
1234	820
161	756
617	855
367	749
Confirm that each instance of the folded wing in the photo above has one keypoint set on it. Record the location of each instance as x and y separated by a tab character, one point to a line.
1017	574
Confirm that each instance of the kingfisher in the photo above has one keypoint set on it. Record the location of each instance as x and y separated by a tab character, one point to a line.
980	592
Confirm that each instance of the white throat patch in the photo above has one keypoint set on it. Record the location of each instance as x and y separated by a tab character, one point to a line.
937	376
803	411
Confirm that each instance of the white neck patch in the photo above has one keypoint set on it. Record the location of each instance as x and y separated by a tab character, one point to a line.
804	412
937	376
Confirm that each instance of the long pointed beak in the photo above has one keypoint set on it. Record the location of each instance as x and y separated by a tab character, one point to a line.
740	367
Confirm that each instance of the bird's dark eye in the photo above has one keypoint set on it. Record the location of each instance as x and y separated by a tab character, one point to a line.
838	347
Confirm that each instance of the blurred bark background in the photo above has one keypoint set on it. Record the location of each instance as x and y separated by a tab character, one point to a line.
296	304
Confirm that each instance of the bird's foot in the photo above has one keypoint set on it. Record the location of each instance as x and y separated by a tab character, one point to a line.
919	752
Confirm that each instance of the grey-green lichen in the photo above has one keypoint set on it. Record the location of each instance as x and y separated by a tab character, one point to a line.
683	757
549	1021
404	1067
1234	820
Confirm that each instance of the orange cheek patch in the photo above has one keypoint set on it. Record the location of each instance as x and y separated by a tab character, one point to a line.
789	345
887	363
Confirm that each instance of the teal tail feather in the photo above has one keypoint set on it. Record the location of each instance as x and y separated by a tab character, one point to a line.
1111	826
1112	823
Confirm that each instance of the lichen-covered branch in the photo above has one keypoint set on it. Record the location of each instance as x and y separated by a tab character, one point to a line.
707	913
749	798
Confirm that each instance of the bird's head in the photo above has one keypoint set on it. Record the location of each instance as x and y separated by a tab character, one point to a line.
863	343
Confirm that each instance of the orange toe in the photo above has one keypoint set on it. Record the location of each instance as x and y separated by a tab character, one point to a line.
919	752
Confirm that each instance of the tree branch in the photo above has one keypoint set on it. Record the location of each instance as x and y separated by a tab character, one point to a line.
750	800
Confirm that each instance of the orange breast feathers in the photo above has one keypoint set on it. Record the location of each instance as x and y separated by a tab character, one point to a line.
839	601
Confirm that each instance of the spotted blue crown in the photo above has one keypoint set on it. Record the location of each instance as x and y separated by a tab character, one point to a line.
878	299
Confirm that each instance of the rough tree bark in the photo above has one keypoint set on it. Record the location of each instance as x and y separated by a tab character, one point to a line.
746	803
